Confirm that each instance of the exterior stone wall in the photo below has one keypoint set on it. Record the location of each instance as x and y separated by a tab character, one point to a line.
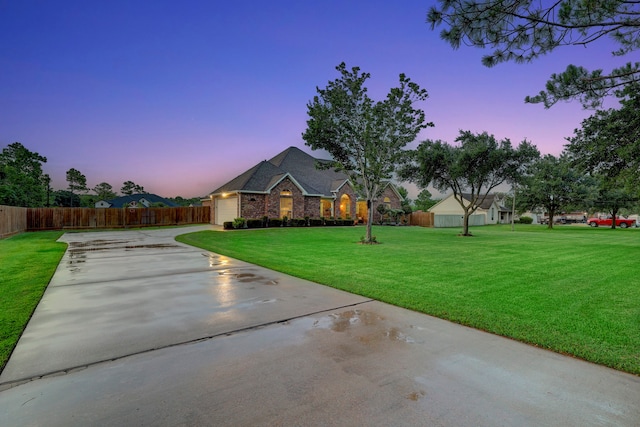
256	206
351	210
253	206
311	207
393	199
209	202
273	200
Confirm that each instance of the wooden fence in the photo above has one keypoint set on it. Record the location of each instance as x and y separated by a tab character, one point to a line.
423	219
80	218
12	220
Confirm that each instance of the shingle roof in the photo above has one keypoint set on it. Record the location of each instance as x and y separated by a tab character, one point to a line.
123	201
255	179
293	161
487	202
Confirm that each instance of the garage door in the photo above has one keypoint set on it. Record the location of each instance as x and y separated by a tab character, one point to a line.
226	210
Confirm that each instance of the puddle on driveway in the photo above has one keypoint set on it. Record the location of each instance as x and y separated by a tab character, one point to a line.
104	245
97	242
249	278
366	326
215	260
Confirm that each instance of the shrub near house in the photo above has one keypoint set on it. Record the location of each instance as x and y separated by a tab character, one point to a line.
239	223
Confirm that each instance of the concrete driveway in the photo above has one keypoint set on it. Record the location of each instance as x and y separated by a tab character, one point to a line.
137	329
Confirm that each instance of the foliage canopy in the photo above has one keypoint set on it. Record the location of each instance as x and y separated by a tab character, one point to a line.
555	185
77	181
522	30
365	138
104	191
22	182
608	142
130	187
475	167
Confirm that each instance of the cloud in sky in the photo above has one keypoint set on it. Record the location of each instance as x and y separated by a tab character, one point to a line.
182	97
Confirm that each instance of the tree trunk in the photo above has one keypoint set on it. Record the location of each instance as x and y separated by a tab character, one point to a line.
513	211
551	214
613	218
369	221
465	224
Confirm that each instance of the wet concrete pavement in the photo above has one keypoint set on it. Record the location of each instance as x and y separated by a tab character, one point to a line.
137	329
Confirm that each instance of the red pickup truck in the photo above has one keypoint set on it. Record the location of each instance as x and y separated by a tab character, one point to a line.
606	222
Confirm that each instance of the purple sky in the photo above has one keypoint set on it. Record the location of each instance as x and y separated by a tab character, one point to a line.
180	97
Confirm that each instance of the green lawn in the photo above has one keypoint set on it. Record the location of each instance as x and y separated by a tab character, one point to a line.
27	263
572	289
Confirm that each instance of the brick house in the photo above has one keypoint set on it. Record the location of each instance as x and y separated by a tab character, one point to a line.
290	185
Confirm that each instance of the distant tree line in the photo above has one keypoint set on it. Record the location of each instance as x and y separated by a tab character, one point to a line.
23	183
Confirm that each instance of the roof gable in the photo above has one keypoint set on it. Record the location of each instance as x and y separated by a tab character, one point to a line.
302	167
486	203
256	179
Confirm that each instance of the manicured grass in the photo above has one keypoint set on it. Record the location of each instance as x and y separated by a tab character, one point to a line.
573	289
27	263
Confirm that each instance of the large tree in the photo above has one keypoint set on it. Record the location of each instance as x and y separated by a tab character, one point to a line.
130	187
104	191
22	182
612	197
555	185
608	143
77	182
474	167
406	201
424	201
522	30
46	180
365	138
66	199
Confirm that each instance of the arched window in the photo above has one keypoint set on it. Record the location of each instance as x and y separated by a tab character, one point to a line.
345	206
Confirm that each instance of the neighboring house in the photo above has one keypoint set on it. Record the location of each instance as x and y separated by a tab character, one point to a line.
449	213
290	185
135	201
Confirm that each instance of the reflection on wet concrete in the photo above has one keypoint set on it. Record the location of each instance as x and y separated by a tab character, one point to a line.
74	260
97	242
248	278
216	260
368	327
85	248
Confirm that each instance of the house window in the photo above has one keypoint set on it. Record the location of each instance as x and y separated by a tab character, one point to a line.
491	214
286	204
325	208
362	211
345	206
387	202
